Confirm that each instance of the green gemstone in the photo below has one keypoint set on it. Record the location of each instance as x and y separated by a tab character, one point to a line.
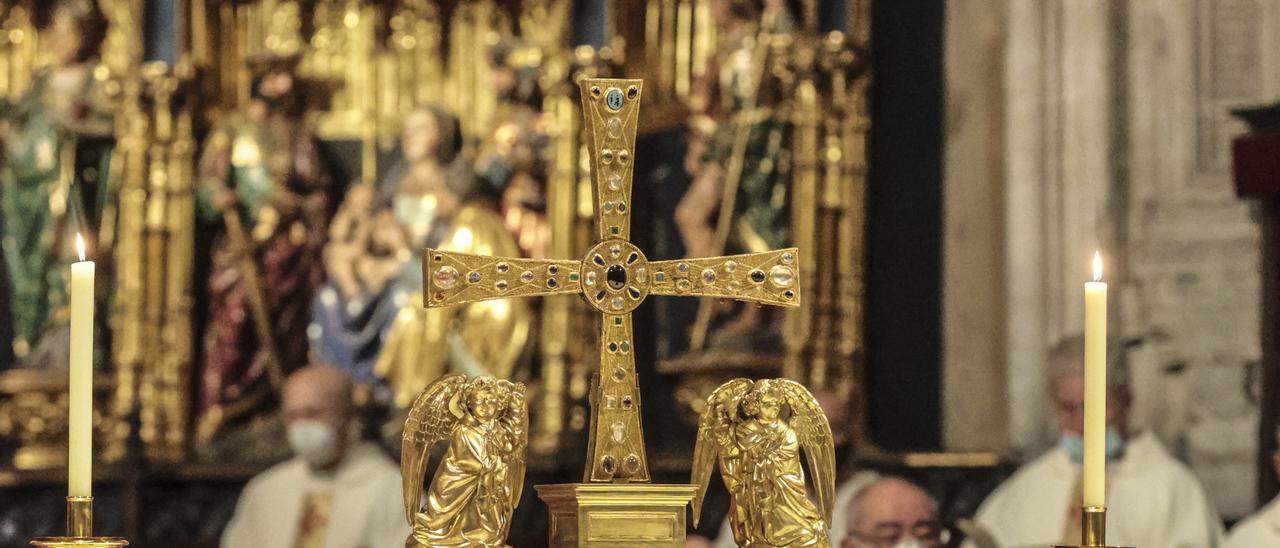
615	230
573	276
660	276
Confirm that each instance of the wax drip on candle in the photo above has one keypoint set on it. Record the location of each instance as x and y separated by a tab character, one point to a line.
1097	266
80	245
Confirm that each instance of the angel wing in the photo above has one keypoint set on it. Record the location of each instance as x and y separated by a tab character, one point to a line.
517	419
814	433
430	420
713	426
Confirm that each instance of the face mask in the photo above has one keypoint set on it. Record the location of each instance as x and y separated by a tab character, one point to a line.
314	441
1073	444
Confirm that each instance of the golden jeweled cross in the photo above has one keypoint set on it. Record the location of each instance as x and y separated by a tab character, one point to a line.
614	277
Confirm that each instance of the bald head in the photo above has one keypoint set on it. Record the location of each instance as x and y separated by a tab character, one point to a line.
319	392
889	510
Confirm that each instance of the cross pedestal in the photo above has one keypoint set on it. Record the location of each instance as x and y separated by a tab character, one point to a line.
610	514
615	505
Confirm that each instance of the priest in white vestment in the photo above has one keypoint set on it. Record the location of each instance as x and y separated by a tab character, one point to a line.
335	492
1153	500
1263	527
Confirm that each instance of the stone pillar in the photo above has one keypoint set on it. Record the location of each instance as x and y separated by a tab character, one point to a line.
1192	247
973	305
1114	136
1061	128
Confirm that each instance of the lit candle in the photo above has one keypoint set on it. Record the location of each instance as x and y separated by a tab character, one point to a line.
1095	387
80	444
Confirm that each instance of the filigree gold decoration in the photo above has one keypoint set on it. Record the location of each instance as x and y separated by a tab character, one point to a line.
614	277
566	360
479	481
410	67
474	27
759	457
818	87
17	49
33	415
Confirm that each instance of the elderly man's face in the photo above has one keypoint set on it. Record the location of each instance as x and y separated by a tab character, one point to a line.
313	399
1068	400
892	512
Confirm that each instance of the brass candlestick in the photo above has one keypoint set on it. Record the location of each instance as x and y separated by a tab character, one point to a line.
79	529
1093	529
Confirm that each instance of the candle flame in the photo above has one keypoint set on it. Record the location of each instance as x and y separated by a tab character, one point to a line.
1097	266
80	245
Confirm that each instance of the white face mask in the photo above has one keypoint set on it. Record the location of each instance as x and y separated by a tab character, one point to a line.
314	441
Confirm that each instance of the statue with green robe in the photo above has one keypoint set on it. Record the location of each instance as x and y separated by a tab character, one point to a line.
57	141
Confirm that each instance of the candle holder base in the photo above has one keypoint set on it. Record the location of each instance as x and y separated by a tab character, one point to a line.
79	542
79	529
1093	529
1089	546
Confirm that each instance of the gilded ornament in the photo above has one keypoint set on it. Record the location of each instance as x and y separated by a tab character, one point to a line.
478	483
758	450
617	279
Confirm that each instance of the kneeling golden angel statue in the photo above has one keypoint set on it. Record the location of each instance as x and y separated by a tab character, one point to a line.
478	483
757	429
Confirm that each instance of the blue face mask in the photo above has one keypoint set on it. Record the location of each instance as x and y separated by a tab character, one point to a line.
1073	444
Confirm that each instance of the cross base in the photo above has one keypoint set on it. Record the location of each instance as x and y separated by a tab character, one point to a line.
600	515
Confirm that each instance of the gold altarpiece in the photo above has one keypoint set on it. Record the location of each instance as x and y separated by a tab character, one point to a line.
824	82
144	241
381	59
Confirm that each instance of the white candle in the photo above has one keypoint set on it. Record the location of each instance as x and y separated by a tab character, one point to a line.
80	444
1095	387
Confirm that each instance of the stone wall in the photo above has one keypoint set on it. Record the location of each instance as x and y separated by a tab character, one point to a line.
1192	246
1115	136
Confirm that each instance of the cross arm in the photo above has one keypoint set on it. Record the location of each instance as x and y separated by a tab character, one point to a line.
771	277
451	278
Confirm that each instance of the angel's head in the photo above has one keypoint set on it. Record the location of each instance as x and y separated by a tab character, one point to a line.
764	401
484	398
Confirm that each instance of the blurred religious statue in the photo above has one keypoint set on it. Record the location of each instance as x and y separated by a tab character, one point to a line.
369	318
739	157
260	174
373	237
57	142
514	159
479	481
757	430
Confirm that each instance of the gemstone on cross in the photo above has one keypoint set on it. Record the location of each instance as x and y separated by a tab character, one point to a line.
614	277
